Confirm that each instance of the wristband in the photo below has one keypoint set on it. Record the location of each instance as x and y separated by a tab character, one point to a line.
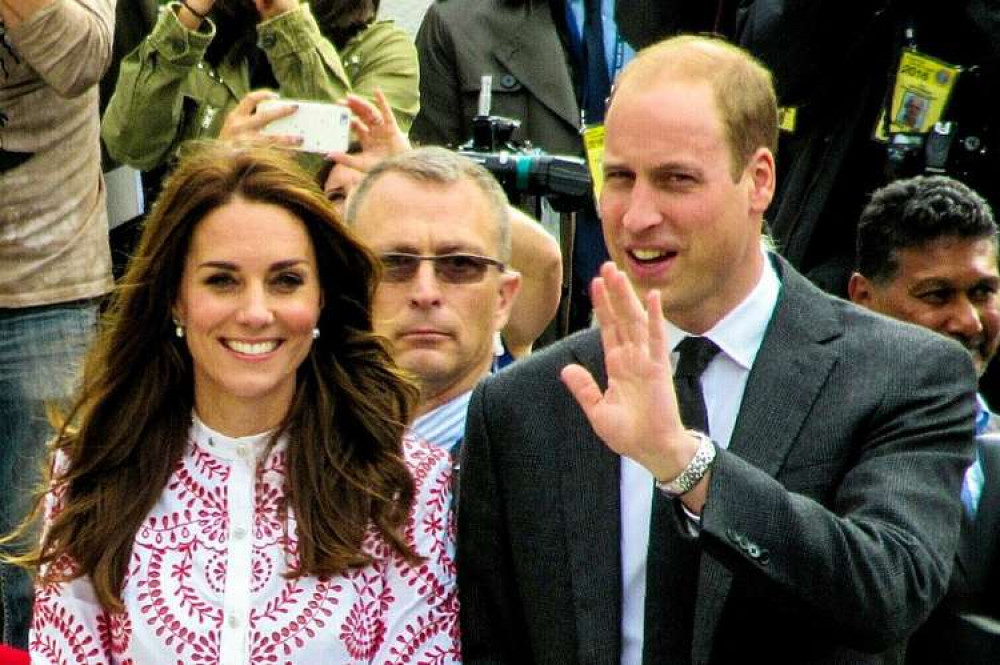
695	470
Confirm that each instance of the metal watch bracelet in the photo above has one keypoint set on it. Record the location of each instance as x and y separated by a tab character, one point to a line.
694	471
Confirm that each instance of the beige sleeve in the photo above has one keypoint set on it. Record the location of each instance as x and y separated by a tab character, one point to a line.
68	43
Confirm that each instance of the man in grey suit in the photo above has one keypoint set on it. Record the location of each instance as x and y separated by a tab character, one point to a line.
598	520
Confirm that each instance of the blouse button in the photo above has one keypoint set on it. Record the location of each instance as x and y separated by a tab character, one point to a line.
239	533
234	621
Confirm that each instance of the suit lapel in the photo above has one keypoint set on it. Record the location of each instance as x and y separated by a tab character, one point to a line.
528	45
788	374
791	368
592	507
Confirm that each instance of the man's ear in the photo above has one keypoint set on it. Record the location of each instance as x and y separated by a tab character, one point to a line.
510	284
859	290
761	171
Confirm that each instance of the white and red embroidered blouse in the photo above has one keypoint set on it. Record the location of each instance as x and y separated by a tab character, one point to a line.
205	582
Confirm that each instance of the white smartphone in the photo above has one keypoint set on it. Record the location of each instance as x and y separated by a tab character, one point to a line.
324	126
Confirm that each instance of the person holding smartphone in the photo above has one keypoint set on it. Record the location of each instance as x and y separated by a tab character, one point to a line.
204	56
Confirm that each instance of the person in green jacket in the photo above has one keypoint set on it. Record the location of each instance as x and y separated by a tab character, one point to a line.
203	56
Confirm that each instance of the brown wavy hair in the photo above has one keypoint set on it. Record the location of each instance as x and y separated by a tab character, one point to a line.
129	427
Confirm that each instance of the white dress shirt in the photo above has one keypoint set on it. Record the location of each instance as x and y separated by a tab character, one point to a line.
738	335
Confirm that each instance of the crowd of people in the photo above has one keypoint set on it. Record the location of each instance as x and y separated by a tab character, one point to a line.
321	417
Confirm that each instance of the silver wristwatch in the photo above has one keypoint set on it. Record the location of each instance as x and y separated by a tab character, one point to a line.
694	471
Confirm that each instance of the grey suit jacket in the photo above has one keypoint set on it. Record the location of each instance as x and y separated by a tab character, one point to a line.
832	518
520	46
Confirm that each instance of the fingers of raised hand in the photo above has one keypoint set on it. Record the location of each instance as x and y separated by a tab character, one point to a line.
262	118
250	100
280	140
659	341
606	321
363	110
362	131
628	308
385	110
357	161
617	307
583	387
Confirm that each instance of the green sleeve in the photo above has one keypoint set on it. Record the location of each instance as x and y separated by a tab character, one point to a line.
307	66
385	57
144	116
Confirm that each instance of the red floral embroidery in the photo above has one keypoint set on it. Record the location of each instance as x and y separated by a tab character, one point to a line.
176	590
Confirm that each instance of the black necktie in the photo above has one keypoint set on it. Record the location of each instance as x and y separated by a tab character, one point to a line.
672	561
596	82
695	354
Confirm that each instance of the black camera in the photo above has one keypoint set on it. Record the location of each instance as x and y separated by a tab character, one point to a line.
521	169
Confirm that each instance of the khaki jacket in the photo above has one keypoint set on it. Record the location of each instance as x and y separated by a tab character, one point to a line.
167	93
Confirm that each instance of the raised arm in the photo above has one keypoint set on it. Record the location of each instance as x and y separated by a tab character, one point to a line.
537	257
68	42
307	66
143	119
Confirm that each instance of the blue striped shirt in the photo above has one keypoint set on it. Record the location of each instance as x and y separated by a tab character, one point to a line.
444	426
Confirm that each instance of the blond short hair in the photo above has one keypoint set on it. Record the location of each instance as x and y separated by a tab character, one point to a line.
743	88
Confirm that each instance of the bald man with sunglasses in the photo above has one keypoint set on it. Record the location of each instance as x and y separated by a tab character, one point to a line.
441	225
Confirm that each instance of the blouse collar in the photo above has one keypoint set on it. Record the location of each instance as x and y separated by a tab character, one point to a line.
229	447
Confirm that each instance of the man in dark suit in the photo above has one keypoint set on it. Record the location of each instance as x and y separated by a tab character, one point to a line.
794	499
927	254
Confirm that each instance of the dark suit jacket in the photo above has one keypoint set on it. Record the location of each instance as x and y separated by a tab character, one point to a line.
832	518
976	582
951	636
519	44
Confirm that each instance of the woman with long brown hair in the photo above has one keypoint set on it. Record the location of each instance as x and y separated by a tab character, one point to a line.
233	484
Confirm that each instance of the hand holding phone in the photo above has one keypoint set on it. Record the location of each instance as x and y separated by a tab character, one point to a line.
244	122
322	127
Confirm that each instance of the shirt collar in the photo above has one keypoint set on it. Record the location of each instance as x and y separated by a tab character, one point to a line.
444	425
229	447
982	415
740	333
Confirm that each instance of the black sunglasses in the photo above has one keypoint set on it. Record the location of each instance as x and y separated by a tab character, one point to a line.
449	268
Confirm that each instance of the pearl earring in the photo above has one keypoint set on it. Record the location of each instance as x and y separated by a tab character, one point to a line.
178	329
315	333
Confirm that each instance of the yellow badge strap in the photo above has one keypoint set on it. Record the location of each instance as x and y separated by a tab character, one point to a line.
787	117
920	96
593	144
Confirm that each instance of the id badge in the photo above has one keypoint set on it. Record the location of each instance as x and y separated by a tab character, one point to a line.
920	96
